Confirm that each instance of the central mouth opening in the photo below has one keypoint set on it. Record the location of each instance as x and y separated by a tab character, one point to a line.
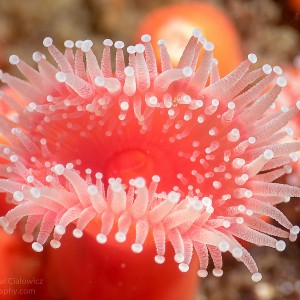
130	164
115	149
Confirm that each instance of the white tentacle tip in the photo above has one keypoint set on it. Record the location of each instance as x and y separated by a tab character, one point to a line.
61	77
277	70
295	230
55	244
116	186
60	229
268	154
206	201
77	233
35	192
223	246
129	71
202	39
197	205
14	59
216	62
248	194
280	246
99	81
239	220
108	42
237	252
217	272
119	45
101	238
187	72
28	237
137	248
124	106
226	224
18	196
183	267
173	197
196	32
267	69
159	259
92	190
293	237
139	182
152	102
298	104
86	46
209	209
179	258
161	43
99	175
209	46
202	273
47	42
69	44
290	131
252	140
37	247
78	44
38	56
131	50
281	81
14	158
145	38
252	58
156	178
69	166
120	237
288	168
256	277
139	48
59	169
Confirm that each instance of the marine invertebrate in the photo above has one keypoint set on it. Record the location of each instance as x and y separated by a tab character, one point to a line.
286	99
175	22
180	157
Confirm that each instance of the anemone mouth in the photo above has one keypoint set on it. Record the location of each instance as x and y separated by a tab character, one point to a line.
183	156
130	163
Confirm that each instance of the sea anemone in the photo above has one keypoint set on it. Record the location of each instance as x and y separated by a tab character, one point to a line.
287	98
178	156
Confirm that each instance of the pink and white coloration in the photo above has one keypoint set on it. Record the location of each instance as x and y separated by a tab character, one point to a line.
289	96
180	156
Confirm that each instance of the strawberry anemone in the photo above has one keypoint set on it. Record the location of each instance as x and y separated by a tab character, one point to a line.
180	157
287	98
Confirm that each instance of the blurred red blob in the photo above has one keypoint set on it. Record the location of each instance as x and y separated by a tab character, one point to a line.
174	24
20	267
295	5
83	269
